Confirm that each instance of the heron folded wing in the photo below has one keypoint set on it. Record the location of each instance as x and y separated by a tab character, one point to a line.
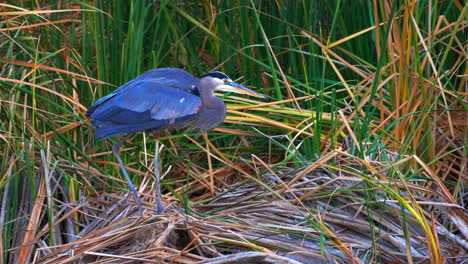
146	101
93	108
113	129
173	77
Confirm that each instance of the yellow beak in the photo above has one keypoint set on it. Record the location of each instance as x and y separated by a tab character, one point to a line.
237	88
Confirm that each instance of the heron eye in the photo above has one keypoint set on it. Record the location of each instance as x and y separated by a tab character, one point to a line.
225	80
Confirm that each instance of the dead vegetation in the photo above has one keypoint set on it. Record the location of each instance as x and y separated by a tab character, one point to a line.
313	214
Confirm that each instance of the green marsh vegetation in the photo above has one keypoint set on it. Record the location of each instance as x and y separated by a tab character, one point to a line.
358	153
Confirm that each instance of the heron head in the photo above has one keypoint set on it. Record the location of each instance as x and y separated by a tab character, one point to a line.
221	82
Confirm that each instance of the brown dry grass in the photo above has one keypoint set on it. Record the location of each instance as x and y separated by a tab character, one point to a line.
272	219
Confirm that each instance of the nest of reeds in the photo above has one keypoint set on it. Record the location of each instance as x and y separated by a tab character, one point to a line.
313	214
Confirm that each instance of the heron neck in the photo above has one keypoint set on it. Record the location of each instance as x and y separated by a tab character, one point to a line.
207	96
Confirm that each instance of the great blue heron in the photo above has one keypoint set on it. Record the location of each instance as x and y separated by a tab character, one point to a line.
162	100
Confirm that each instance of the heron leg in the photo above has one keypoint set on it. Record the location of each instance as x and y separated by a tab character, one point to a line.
156	175
115	150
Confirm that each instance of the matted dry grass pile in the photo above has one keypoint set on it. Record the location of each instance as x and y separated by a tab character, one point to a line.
314	214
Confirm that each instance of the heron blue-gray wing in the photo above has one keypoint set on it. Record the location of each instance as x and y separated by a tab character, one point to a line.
143	105
114	129
172	77
184	81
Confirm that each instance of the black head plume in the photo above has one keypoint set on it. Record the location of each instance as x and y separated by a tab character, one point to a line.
216	74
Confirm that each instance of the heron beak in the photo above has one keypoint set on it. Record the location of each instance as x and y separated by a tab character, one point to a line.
237	88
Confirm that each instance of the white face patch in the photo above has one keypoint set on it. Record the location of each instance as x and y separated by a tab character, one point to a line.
220	81
182	100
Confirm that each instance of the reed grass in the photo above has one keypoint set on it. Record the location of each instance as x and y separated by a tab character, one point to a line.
359	148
